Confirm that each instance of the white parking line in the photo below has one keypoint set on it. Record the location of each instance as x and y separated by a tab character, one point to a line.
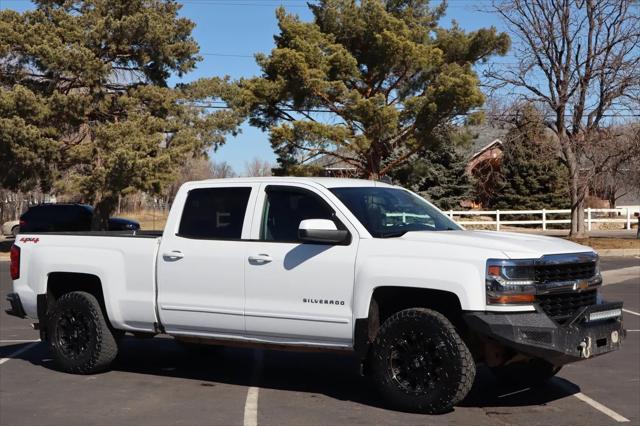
19	341
18	352
605	410
251	407
251	404
633	330
630	312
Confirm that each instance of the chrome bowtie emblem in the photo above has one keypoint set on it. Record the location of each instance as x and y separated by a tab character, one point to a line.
582	285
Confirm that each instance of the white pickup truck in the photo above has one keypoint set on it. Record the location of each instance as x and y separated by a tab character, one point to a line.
325	263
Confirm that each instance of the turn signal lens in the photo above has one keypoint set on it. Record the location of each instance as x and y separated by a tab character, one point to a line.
494	270
512	298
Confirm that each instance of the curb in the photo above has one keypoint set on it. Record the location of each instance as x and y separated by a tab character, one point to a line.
619	252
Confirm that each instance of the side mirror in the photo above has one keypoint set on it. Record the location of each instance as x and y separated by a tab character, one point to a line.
321	231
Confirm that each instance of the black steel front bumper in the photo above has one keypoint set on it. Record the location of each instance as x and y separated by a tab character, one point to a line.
535	334
16	308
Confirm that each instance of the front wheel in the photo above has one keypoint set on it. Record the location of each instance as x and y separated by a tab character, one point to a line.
15	231
80	339
419	362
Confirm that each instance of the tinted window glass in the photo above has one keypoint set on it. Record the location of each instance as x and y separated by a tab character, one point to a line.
57	217
392	212
62	215
36	212
214	213
285	208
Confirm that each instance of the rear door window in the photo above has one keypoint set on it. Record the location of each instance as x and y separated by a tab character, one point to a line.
214	213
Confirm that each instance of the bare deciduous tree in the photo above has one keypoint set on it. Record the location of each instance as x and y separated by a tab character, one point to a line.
199	168
258	167
615	163
580	59
221	170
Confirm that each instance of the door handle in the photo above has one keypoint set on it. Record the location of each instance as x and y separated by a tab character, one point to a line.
172	255
260	259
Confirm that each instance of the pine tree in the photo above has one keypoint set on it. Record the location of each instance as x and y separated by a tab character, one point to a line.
438	173
531	176
370	83
85	104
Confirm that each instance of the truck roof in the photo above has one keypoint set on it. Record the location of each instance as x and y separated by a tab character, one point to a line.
327	182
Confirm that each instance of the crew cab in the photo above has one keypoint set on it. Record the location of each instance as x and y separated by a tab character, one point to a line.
326	263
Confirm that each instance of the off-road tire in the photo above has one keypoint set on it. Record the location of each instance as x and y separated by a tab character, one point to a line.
446	371
80	339
526	373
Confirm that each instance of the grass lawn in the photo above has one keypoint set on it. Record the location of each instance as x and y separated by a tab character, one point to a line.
150	220
602	243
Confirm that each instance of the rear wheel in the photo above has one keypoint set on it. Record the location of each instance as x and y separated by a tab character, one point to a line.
80	339
420	363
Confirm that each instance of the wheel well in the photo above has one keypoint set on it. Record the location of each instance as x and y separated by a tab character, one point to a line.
60	283
386	301
394	299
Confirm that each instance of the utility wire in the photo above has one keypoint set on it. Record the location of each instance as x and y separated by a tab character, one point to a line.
220	105
239	55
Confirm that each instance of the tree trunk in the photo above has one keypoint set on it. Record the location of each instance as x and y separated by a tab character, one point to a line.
578	194
612	199
373	168
104	208
577	211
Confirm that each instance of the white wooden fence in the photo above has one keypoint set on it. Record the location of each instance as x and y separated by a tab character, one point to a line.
622	215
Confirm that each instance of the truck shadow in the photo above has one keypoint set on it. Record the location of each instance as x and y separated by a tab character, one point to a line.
334	375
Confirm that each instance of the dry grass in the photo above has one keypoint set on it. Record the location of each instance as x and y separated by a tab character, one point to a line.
601	243
150	220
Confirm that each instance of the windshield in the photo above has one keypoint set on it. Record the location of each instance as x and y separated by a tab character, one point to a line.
392	212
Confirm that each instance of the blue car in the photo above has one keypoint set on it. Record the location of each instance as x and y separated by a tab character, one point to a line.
68	218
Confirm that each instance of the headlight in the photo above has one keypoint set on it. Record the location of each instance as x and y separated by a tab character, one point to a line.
510	281
520	280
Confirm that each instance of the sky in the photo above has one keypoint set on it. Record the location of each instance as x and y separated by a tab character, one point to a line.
230	32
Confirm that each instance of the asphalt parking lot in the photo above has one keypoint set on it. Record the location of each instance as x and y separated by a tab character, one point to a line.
157	382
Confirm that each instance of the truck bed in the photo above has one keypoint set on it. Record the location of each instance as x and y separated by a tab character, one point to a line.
124	262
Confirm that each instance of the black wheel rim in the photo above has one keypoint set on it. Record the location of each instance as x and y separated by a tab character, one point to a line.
416	363
74	332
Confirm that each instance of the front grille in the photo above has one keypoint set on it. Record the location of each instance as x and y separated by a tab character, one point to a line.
563	306
564	271
537	336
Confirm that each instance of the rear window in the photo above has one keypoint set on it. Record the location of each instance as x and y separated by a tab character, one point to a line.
57	213
34	213
214	213
57	218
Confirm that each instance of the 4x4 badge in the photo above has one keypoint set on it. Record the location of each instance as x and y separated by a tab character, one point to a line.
29	240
